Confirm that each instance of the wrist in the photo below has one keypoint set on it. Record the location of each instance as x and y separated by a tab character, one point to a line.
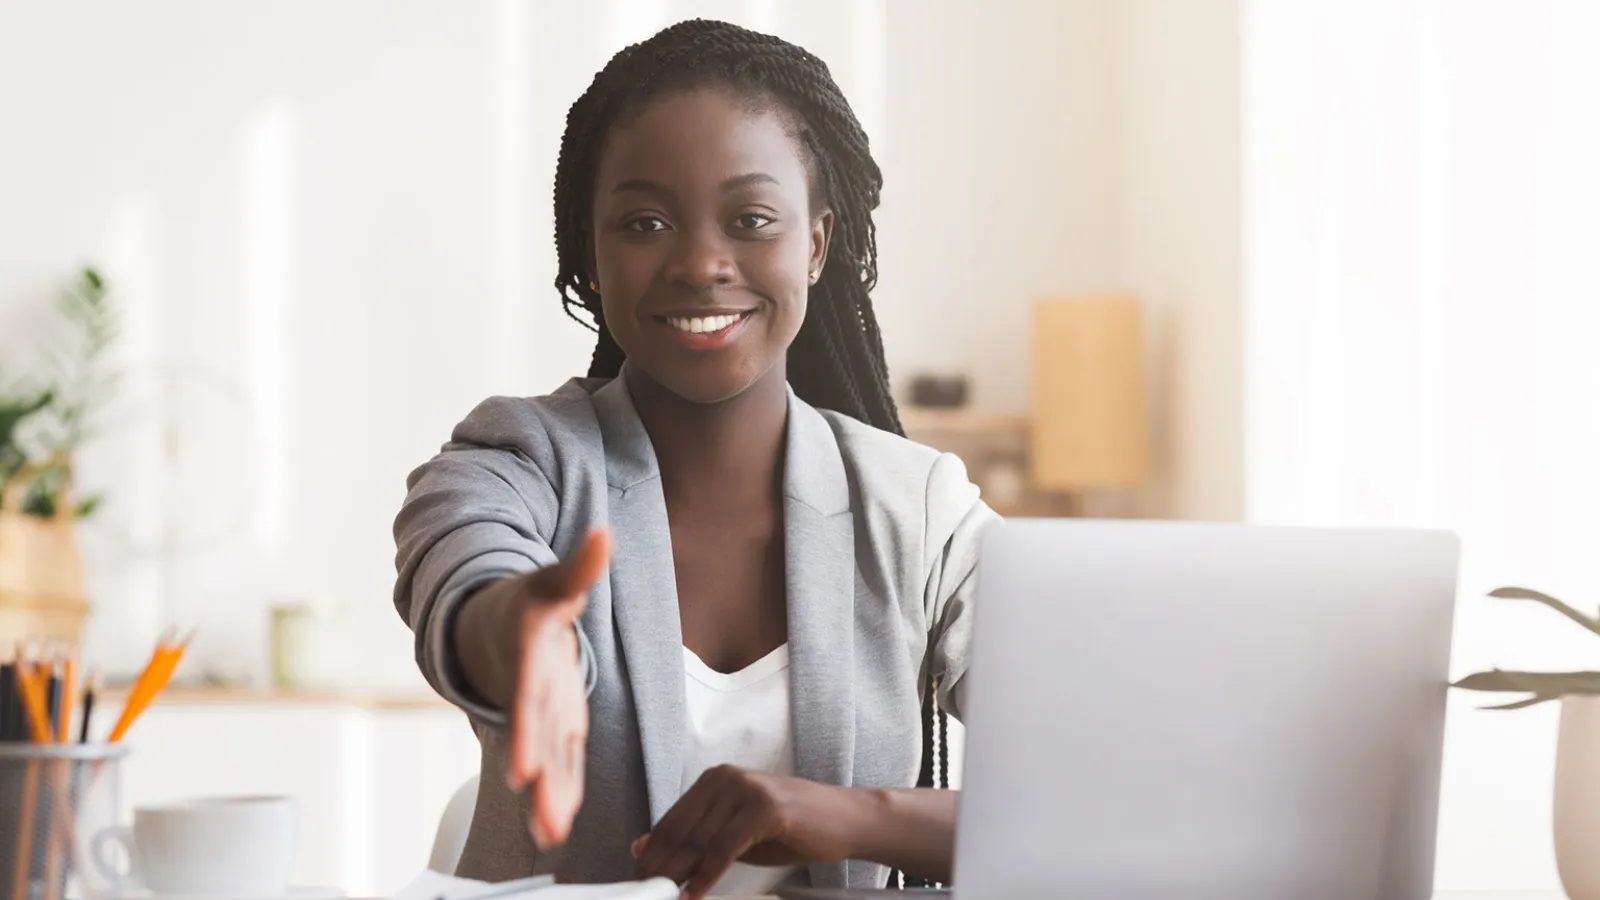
864	818
486	632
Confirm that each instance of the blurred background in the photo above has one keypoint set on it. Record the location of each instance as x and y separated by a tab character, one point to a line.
1324	262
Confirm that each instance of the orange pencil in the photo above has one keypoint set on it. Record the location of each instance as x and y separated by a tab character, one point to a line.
39	727
33	701
150	683
140	687
69	697
59	784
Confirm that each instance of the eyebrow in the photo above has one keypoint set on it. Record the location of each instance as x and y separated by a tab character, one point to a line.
645	186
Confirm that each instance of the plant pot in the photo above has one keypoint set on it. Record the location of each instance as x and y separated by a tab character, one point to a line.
1577	797
41	576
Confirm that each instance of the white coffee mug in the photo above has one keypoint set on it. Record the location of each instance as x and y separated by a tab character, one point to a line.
227	846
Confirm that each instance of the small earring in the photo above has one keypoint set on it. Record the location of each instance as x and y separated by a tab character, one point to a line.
813	276
594	287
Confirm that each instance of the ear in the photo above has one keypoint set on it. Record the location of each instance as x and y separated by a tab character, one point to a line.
821	234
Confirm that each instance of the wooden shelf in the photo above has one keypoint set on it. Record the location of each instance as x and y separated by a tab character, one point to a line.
1036	505
242	695
962	422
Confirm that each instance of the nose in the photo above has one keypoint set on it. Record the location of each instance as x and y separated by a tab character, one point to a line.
701	259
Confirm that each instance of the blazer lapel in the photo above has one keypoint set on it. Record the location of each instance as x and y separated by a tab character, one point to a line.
644	593
820	579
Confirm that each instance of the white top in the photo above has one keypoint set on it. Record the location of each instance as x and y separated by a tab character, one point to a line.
740	719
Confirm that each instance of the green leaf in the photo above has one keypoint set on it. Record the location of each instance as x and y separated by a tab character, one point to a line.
69	362
1542	685
13	412
38	503
88	505
1516	593
40	498
1521	704
1530	682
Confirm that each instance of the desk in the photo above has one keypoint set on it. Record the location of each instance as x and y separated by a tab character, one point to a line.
1442	895
1500	895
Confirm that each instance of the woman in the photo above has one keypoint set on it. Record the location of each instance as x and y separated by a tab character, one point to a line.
732	698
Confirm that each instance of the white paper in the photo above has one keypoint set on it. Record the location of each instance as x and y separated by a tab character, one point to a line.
431	885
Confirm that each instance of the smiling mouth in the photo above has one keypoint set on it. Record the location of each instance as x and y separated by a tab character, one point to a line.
706	324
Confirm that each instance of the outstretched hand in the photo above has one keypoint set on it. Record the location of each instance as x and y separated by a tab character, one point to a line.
549	711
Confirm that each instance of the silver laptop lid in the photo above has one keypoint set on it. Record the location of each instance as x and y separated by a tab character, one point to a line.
1172	710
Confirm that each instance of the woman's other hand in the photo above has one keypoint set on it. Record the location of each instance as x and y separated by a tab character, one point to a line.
736	815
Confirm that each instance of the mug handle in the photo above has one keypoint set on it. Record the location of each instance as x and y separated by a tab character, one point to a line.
99	846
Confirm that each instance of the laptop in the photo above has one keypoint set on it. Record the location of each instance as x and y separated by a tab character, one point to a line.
1160	710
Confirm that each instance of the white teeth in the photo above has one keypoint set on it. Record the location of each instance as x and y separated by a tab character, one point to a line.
702	324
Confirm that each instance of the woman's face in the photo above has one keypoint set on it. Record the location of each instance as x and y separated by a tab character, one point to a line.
704	242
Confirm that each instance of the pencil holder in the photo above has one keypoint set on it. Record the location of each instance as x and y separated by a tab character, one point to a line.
55	800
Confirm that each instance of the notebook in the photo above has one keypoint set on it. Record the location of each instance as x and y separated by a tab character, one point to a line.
436	886
863	894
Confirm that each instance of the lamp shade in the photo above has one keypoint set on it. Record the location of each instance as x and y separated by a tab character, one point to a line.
1089	406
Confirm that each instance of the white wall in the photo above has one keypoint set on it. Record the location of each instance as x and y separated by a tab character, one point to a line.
1000	181
1421	315
312	203
1176	108
341	215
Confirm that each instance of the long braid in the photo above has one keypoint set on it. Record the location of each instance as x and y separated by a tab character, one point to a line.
836	361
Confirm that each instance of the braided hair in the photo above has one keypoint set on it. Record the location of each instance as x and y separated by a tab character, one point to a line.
836	361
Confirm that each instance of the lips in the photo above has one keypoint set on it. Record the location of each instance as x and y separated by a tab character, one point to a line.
704	329
703	324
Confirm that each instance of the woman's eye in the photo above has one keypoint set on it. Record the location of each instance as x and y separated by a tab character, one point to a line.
647	224
753	221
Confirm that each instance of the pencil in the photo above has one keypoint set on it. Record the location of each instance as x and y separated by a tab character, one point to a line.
60	784
154	678
33	699
69	698
53	696
88	706
16	715
8	695
34	702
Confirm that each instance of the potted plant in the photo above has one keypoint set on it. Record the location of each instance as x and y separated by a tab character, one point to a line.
45	417
1577	780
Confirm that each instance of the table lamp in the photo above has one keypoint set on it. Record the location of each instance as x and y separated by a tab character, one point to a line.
1089	408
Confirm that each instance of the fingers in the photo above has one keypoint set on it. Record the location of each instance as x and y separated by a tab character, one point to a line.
559	795
550	741
677	855
721	817
672	848
724	848
530	725
558	791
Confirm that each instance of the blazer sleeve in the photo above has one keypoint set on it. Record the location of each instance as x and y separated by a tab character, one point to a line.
480	510
956	518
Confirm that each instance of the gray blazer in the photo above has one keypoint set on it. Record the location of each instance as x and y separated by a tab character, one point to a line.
881	539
